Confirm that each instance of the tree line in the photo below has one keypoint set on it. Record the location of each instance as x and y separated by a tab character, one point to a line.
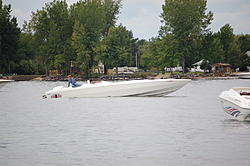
59	37
185	38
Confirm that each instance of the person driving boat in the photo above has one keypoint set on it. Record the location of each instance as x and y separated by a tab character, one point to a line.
73	82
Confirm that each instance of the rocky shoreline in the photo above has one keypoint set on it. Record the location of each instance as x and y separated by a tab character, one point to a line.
124	77
127	77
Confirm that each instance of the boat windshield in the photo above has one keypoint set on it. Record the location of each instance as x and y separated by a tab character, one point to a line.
242	90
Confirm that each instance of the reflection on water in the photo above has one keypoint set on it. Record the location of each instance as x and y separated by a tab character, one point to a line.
231	123
187	127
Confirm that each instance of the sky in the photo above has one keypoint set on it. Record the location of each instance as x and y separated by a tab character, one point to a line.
142	16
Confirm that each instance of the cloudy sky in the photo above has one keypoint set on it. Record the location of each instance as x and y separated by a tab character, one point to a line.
142	16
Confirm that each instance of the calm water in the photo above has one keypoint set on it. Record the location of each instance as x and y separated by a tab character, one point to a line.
186	128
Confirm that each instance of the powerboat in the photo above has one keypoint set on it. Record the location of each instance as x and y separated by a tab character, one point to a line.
4	82
244	75
236	103
133	88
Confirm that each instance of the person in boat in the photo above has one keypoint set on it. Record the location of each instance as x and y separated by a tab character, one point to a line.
93	82
73	82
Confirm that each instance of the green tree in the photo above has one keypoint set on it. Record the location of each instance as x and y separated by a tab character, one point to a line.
40	25
232	49
28	49
244	43
90	14
139	44
134	61
61	28
150	56
111	9
167	54
26	55
116	48
53	27
9	37
244	46
227	40
79	43
215	52
211	49
186	20
97	17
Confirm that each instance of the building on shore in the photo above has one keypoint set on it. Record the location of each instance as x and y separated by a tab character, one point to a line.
221	68
125	70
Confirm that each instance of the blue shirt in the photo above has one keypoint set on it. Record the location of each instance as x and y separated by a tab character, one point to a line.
71	81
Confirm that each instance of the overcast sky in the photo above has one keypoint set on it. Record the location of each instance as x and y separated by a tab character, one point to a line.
142	16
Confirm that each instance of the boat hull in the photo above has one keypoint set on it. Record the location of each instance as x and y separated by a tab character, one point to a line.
244	75
4	82
235	106
235	112
135	88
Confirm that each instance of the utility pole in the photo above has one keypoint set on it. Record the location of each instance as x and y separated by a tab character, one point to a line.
139	57
136	59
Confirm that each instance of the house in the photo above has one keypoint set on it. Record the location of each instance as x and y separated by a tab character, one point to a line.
125	70
221	68
99	69
178	68
248	53
197	66
53	72
96	69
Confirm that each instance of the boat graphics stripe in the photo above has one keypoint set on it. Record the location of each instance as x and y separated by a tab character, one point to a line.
231	111
155	93
56	96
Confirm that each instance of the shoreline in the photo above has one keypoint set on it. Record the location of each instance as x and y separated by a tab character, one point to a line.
122	77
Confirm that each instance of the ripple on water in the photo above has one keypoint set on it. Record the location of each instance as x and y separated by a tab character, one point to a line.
187	127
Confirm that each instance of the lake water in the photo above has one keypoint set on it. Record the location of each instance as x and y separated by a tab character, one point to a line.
187	127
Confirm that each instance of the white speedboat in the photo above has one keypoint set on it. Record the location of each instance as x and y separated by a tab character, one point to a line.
140	88
236	103
244	75
4	82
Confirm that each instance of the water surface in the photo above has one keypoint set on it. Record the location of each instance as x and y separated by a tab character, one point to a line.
187	127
